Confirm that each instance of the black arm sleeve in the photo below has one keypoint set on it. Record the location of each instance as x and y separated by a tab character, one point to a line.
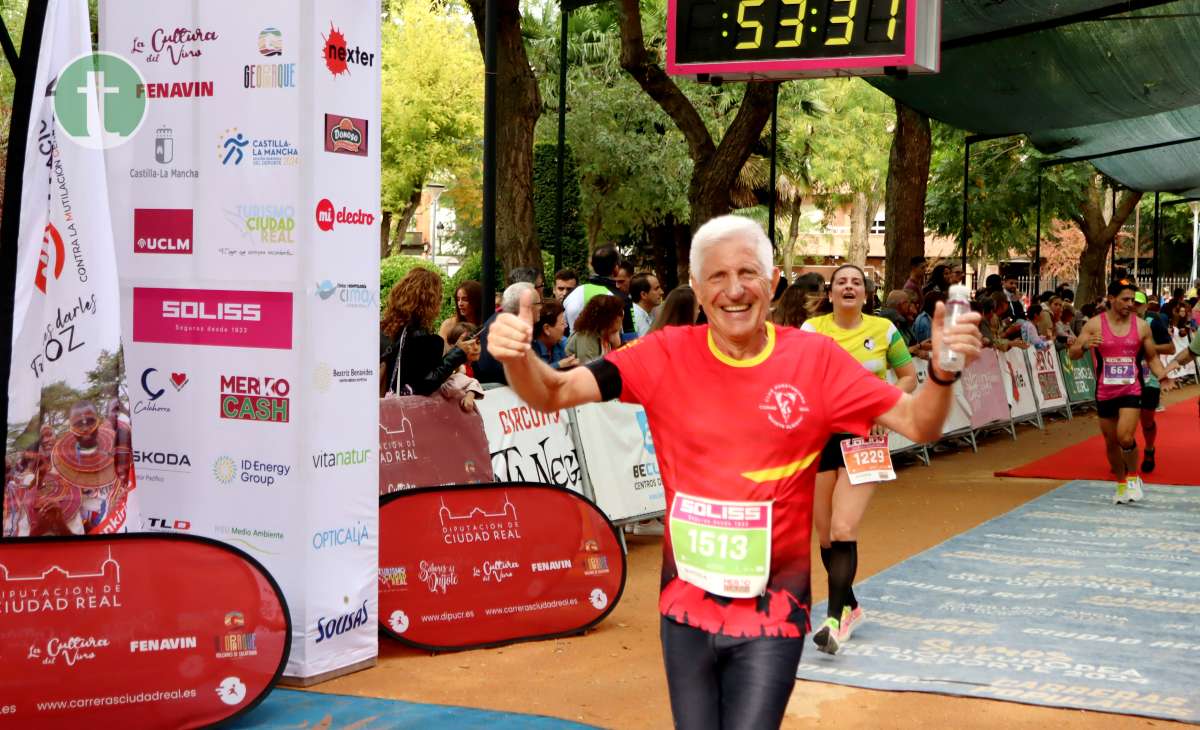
608	377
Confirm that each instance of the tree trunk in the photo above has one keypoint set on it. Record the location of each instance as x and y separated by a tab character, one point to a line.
518	106
683	249
789	250
861	216
662	241
405	217
385	233
714	167
908	177
1099	234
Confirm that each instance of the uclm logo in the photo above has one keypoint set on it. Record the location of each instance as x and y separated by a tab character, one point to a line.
219	318
162	230
329	216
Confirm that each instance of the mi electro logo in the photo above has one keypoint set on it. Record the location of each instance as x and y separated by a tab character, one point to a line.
328	216
251	398
162	230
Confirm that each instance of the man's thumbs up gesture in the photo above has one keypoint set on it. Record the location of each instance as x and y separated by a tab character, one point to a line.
511	334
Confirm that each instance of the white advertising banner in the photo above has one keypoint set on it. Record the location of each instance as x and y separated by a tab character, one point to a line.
1047	373
526	444
959	418
246	221
1014	367
69	446
621	462
1181	344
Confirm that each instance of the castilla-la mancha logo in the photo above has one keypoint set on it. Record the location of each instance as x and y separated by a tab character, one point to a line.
785	406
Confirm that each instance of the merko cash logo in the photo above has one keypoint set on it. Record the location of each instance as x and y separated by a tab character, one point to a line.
253	398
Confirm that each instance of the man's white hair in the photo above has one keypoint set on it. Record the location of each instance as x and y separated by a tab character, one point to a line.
510	301
731	228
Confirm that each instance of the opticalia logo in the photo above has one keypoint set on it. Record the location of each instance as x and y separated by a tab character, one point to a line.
328	216
164	154
340	536
162	524
232	146
340	56
227	470
346	135
175	45
328	628
269	75
214	317
264	223
162	230
255	398
331	459
355	296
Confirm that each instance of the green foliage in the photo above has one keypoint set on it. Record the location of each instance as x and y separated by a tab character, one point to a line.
432	97
1002	192
545	191
848	141
393	269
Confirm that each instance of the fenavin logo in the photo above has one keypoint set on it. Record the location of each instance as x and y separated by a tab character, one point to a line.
98	100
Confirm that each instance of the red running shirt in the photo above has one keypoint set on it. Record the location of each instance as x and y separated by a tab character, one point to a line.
747	430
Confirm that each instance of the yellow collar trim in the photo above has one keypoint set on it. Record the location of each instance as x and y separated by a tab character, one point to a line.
748	362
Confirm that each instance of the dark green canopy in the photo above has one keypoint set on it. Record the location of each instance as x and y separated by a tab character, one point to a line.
1080	77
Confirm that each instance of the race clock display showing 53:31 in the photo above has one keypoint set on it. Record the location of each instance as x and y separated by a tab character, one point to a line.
789	38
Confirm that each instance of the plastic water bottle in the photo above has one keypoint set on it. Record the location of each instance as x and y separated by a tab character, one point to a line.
957	303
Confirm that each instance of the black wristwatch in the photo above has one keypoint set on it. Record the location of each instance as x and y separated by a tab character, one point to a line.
933	376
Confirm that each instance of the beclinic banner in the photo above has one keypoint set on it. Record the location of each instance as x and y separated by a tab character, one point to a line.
69	448
246	221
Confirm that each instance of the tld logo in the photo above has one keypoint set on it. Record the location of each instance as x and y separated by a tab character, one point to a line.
339	55
159	523
254	398
328	216
162	230
213	317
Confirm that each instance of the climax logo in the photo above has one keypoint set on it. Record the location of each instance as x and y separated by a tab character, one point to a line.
339	56
51	242
328	215
218	318
162	230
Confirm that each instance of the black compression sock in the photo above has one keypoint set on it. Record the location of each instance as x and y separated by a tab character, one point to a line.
842	559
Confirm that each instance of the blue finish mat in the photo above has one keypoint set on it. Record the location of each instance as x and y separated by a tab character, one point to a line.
294	710
1067	601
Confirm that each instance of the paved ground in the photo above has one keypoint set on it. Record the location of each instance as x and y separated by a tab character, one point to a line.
613	677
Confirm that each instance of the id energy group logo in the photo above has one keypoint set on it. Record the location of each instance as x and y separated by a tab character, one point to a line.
97	100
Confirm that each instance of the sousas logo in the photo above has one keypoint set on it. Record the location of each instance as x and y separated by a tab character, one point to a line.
329	628
331	459
226	311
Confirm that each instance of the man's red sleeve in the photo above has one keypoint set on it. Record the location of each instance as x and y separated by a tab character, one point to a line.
854	396
642	364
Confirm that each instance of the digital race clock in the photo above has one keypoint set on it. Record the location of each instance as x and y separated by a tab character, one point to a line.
783	39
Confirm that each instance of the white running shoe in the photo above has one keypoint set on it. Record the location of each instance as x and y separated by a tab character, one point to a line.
827	636
1121	496
1134	489
851	619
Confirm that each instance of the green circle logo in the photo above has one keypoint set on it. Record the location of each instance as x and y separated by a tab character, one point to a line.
99	100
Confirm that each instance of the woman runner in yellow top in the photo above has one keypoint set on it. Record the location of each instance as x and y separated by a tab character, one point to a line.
838	505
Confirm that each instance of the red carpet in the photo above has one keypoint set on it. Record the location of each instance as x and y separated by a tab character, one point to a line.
1178	441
